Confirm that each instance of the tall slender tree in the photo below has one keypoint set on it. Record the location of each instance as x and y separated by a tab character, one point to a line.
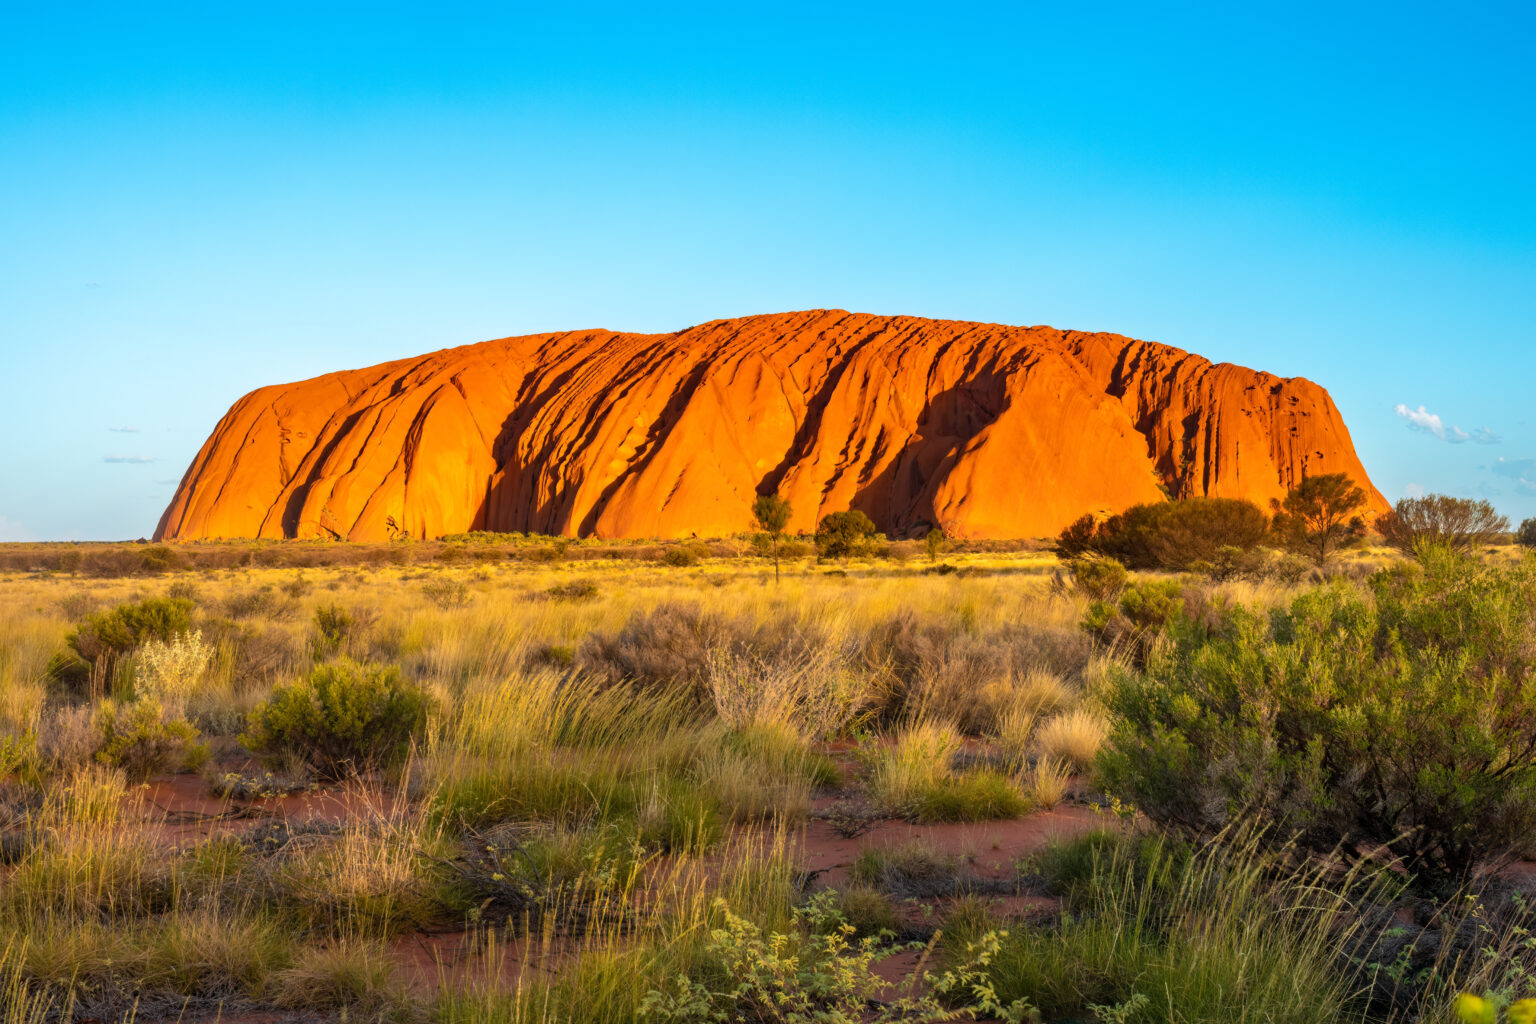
772	515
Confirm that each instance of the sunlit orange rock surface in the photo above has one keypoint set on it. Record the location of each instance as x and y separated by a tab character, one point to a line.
982	429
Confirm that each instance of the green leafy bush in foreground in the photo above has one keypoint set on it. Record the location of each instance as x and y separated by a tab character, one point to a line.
815	973
1402	720
143	740
1169	534
342	718
96	645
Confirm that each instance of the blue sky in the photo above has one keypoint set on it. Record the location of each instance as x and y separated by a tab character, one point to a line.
196	200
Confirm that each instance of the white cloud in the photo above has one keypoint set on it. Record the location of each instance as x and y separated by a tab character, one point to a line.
129	458
11	530
1413	491
1422	419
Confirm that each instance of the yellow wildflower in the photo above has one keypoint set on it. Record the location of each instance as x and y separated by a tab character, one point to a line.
1471	1009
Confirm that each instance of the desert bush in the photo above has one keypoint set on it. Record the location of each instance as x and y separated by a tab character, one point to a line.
976	794
1290	568
1319	516
574	590
96	644
1462	524
67	739
867	910
341	629
1526	535
341	719
814	694
924	668
673	644
1143	613
184	590
1099	577
1234	563
446	593
1347	724
169	671
78	605
814	973
142	739
248	604
840	534
1077	538
915	869
914	777
684	555
1172	534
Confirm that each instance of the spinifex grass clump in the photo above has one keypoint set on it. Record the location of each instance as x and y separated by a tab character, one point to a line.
1155	932
914	777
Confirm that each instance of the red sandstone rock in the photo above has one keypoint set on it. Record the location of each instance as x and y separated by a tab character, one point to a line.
983	429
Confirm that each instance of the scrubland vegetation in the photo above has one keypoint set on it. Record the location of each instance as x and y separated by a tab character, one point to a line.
1181	773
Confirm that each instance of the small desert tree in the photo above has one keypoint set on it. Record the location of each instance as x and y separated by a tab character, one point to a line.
1435	520
934	541
1526	535
772	513
839	534
1320	515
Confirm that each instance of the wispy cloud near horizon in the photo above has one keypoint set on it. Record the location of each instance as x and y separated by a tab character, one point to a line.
131	459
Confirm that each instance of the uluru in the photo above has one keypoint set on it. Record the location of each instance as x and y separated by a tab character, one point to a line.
983	430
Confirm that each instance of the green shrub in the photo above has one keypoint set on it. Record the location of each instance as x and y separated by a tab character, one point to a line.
1077	539
1526	535
1234	563
868	911
1098	577
1462	524
1319	516
575	590
815	973
142	740
1402	723
446	593
840	534
1143	613
1170	534
334	624
96	645
684	555
342	718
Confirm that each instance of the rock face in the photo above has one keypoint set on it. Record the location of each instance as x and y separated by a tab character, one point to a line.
982	429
